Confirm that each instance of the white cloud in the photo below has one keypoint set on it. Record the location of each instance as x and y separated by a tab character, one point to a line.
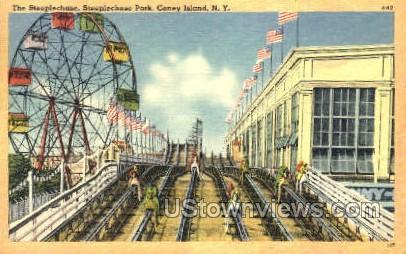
176	90
173	58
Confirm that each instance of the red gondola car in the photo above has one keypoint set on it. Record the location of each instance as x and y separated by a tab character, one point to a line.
19	77
63	20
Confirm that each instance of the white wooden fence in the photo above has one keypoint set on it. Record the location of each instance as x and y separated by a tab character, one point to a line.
378	224
49	216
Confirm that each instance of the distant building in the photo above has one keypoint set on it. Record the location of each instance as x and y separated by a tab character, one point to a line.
330	106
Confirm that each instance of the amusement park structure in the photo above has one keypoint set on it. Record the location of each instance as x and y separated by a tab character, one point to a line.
64	72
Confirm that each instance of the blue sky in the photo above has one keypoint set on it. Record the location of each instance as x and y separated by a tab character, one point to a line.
192	65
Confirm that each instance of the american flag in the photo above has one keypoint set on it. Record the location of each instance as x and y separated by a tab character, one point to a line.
273	36
246	85
229	117
258	67
285	17
153	130
121	115
134	125
112	112
128	120
140	123
237	103
249	82
145	127
263	53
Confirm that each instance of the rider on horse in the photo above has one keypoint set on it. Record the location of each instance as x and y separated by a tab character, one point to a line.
233	204
244	168
195	167
301	175
151	202
282	179
135	181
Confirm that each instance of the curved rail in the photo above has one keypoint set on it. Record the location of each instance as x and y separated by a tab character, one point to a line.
332	233
185	220
277	226
325	230
94	231
147	175
163	191
284	233
221	185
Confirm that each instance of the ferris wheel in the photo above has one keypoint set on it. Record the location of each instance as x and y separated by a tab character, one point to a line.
65	70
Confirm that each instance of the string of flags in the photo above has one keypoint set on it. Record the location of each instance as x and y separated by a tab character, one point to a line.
117	114
272	36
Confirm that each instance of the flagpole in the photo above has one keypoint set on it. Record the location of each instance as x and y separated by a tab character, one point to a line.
116	120
256	90
250	95
142	138
131	132
246	100
283	33
136	136
270	62
297	31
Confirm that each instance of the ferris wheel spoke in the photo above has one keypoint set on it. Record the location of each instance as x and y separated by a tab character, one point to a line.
109	81
60	67
69	66
33	74
96	129
75	63
22	144
57	72
92	72
50	73
124	77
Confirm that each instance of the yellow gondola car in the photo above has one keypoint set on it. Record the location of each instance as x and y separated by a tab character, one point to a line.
119	51
18	123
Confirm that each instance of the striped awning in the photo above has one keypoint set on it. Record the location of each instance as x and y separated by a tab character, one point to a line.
293	139
282	141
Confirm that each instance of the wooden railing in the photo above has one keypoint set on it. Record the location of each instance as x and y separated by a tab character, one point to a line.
377	223
41	222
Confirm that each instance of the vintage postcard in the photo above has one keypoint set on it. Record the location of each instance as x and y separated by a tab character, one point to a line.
164	127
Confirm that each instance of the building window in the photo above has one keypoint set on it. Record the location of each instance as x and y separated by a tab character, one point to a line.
343	130
294	120
279	134
260	140
285	119
247	143
392	141
253	144
295	113
269	144
279	119
279	159
321	117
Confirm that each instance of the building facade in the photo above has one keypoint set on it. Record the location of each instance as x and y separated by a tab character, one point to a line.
332	107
